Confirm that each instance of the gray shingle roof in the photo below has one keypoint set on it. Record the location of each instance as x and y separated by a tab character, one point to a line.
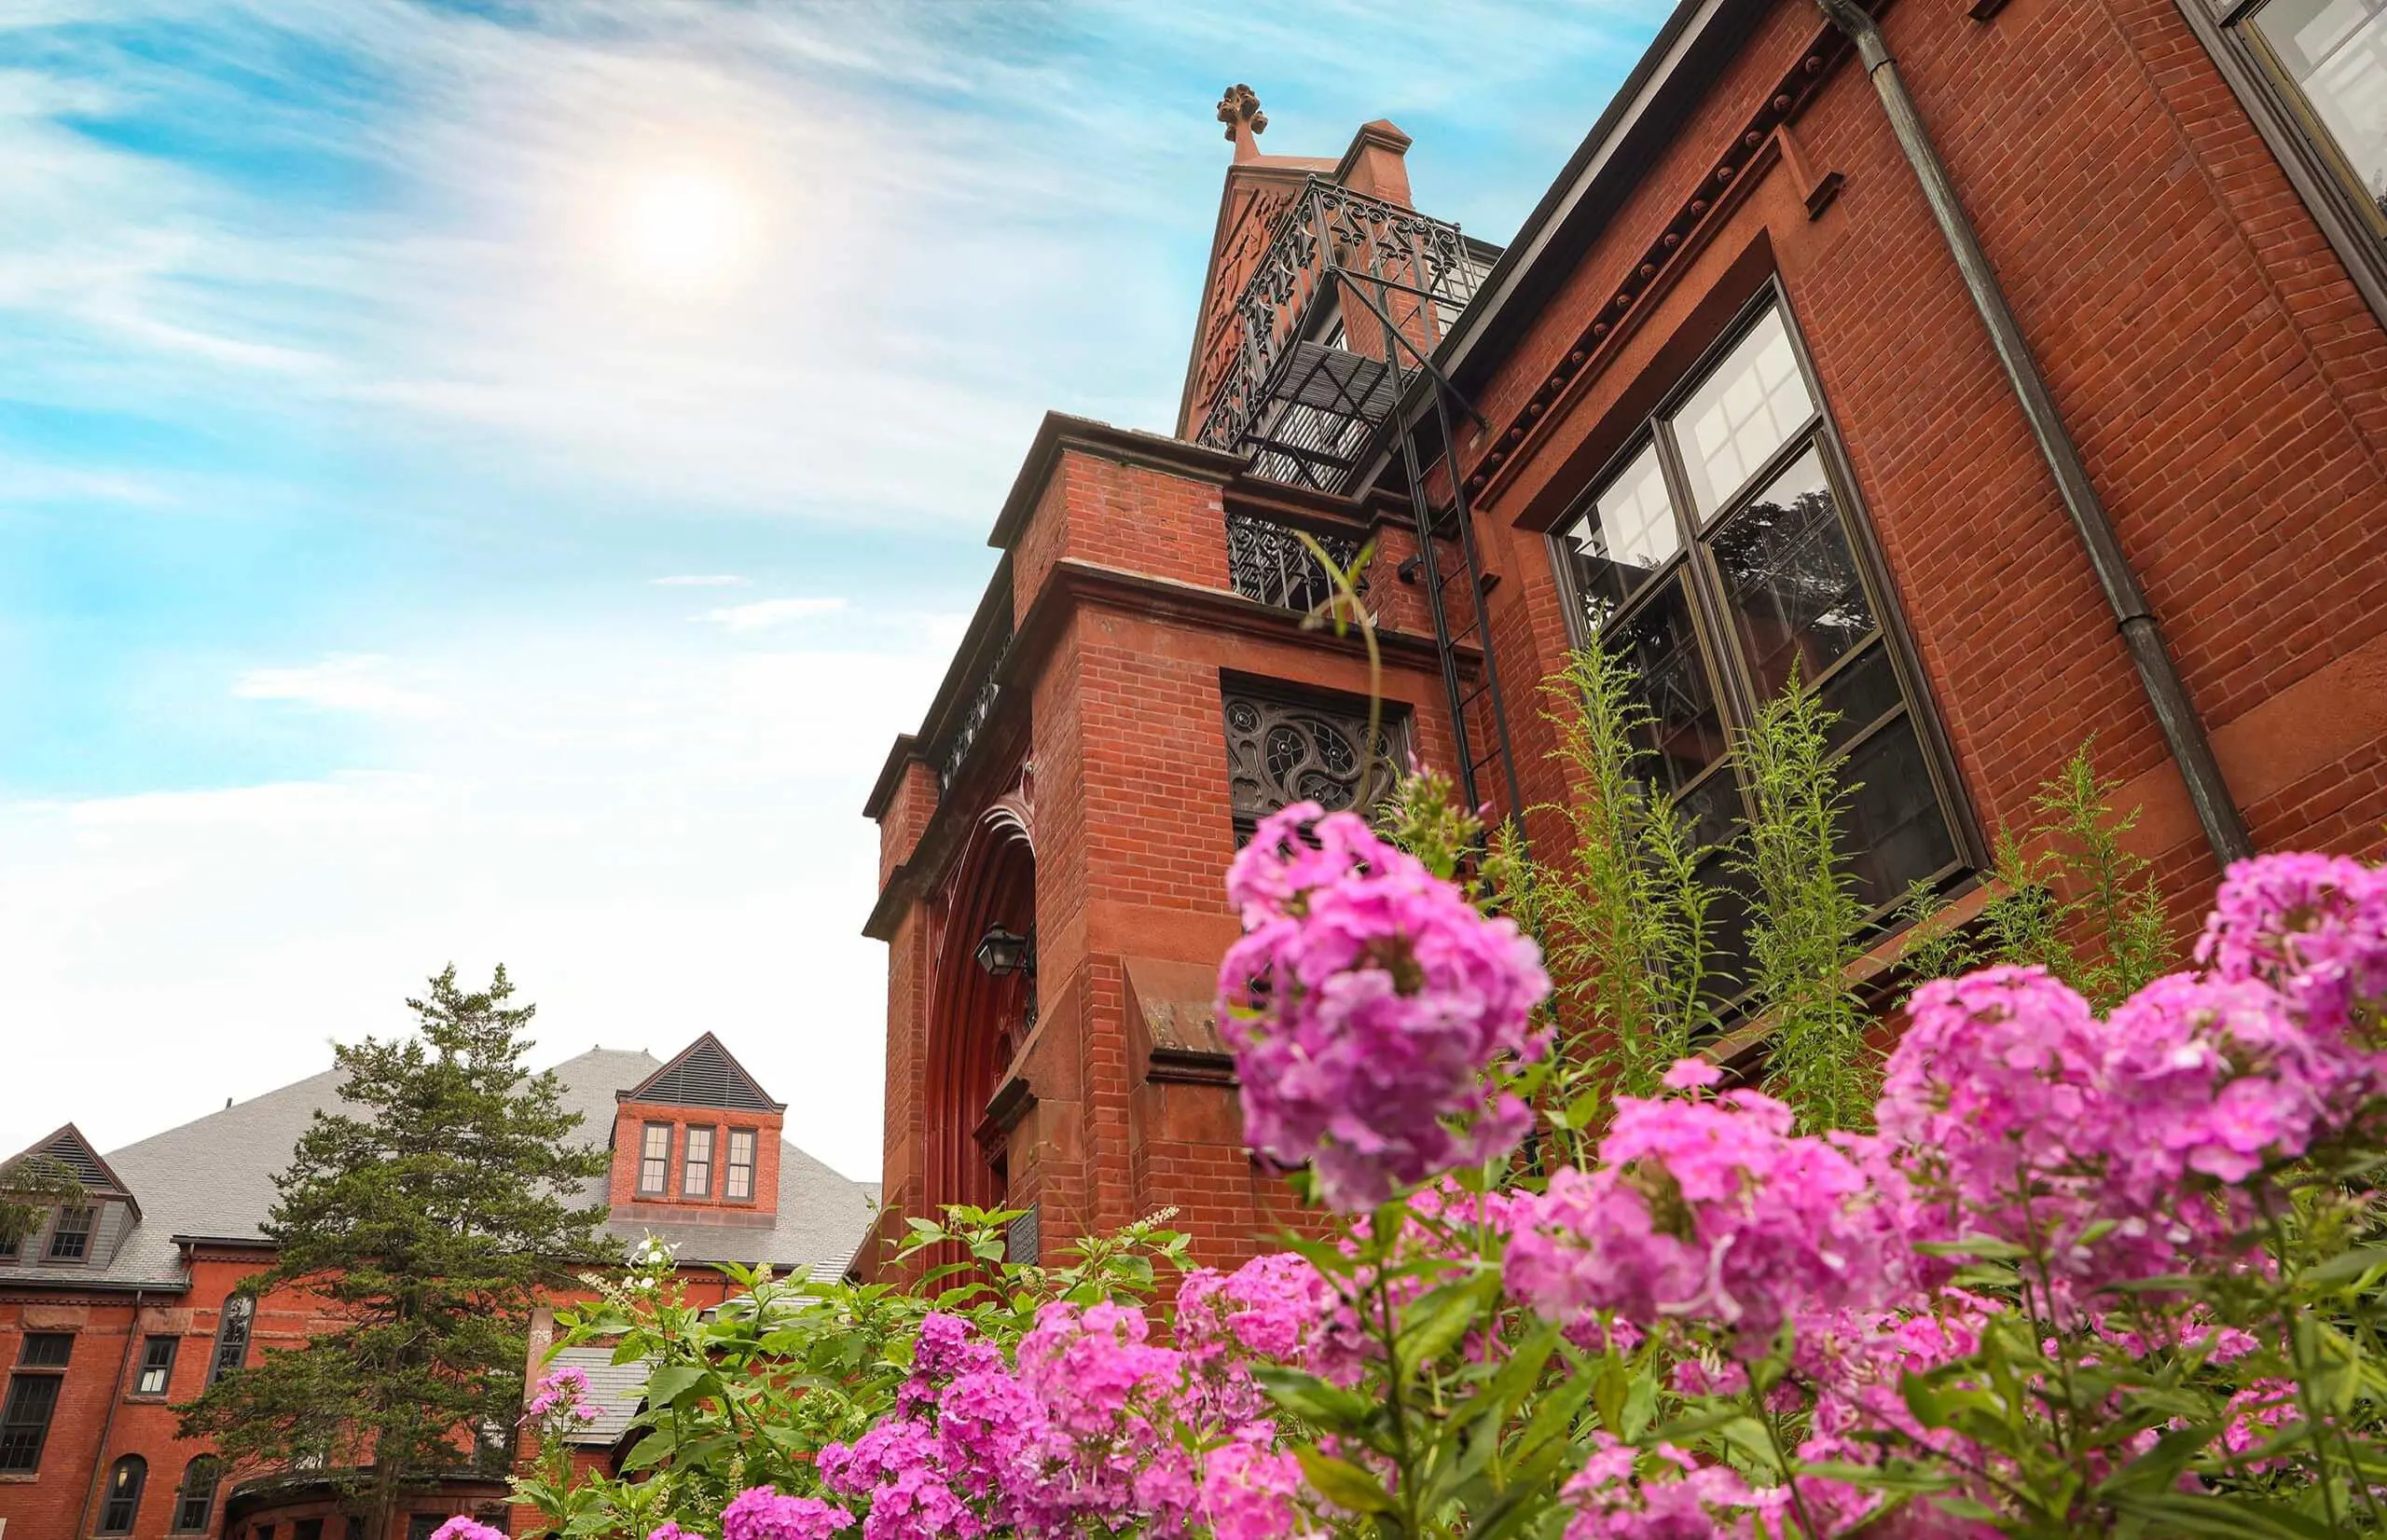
614	1390
214	1177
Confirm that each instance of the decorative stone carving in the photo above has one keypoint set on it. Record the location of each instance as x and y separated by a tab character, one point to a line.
1280	752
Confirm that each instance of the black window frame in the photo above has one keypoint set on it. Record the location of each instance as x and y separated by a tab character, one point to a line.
235	1324
23	1427
82	1234
730	1166
201	1477
660	1163
689	1162
2283	117
158	1362
1735	694
306	1529
45	1349
120	1499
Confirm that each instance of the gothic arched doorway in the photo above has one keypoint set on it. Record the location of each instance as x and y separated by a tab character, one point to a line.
984	1005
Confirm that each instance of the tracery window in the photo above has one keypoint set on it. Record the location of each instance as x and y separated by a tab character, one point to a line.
232	1336
1283	751
1718	556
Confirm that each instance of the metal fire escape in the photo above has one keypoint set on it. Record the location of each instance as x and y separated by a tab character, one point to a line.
1336	329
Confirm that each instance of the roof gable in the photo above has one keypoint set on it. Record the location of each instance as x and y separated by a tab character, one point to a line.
69	1149
703	1075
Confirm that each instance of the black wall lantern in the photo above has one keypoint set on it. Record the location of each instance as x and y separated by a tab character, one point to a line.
1003	953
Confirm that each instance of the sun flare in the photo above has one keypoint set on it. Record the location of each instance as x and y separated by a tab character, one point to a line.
684	228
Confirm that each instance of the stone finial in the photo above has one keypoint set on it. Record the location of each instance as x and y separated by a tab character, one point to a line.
1239	110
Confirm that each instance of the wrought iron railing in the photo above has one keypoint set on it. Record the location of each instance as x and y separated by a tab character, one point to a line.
1268	562
965	733
1306	407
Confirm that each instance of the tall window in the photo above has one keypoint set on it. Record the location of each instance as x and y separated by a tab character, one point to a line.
232	1325
157	1365
696	1171
70	1238
120	1499
654	1160
195	1499
2329	58
1719	557
33	1397
738	1176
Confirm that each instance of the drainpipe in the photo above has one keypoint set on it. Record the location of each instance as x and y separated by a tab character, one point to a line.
107	1425
2217	813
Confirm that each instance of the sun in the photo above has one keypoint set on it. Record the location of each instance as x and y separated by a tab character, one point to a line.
684	228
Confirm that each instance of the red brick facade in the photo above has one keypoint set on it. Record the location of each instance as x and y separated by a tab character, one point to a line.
2215	360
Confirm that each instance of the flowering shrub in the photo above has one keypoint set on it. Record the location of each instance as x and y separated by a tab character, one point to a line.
1367	1003
2091	1274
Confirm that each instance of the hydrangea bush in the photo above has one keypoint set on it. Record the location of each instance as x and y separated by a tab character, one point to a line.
2088	1274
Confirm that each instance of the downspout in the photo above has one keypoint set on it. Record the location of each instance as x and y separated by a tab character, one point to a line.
2184	732
107	1423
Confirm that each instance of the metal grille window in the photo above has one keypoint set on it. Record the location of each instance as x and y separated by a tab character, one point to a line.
739	1181
24	1422
157	1365
70	1238
654	1160
696	1171
195	1499
232	1324
1268	562
1719	557
1285	751
120	1504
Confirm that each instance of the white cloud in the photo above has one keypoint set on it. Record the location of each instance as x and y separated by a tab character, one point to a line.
344	681
763	614
716	580
657	832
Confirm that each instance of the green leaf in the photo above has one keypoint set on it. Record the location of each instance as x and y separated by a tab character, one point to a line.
672	1382
1343	1483
1312	1399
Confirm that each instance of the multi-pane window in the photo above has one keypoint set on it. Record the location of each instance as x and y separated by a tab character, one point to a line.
232	1324
695	1169
70	1237
195	1499
654	1160
1718	558
33	1397
120	1499
2329	59
738	1181
157	1365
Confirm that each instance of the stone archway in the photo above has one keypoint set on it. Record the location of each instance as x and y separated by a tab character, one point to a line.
977	1021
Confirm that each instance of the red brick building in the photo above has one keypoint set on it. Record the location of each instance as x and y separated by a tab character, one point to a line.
113	1311
2016	372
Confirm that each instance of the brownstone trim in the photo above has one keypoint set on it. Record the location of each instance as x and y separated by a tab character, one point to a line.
1061	432
900	756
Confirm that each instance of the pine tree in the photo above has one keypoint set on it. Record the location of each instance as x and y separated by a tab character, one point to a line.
426	1216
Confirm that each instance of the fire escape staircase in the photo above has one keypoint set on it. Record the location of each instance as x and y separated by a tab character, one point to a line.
1334	331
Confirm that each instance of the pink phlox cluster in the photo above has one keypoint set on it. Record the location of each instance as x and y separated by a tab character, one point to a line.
563	1392
945	1348
1364	1002
898	1467
1250	1491
1621	1494
759	1513
464	1528
2314	926
2257	1413
668	1530
1712	1210
1278	1308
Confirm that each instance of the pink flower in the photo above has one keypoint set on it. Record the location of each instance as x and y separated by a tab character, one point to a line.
2314	926
1250	1491
759	1513
1364	1003
1691	1075
462	1528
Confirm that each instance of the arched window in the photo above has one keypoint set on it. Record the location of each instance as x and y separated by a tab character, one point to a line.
121	1504
194	1499
232	1324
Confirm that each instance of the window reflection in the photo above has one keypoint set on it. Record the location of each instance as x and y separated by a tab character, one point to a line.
2334	52
1790	581
1626	534
1745	410
1895	831
1685	734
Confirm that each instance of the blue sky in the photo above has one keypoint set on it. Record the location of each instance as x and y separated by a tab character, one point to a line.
485	479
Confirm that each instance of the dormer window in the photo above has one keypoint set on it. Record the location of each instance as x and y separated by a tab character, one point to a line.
695	1174
70	1238
654	1160
738	1183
